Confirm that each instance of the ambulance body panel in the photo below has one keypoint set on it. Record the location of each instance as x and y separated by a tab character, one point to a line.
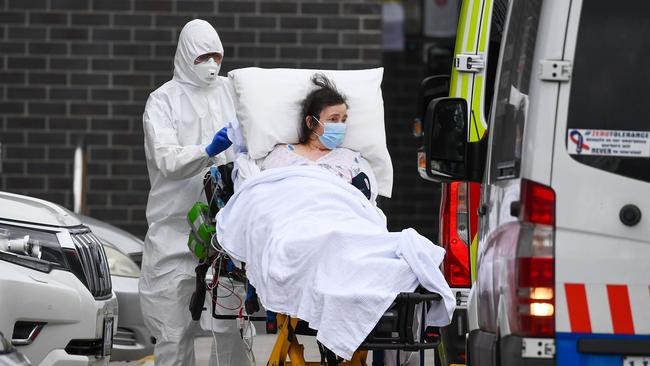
563	127
602	263
472	74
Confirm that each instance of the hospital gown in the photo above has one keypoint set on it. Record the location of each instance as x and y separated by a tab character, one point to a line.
344	163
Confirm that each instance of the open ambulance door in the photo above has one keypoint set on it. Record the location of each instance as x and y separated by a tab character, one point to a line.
473	73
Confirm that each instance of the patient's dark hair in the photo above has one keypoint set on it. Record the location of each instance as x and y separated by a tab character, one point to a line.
325	95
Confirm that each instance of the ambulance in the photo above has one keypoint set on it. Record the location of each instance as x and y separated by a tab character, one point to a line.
563	254
474	65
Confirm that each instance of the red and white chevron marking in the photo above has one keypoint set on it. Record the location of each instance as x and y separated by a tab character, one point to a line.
603	308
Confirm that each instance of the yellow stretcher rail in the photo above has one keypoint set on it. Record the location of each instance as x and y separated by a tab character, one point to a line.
287	351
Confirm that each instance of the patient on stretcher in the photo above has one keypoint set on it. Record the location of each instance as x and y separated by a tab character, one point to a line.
322	130
314	247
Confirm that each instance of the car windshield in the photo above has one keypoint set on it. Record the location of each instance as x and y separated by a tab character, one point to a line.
607	128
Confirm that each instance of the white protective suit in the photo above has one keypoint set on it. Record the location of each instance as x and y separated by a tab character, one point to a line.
180	119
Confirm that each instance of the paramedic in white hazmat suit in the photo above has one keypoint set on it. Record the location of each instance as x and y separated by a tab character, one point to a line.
184	131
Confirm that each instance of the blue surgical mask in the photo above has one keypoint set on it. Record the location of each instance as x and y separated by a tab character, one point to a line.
333	134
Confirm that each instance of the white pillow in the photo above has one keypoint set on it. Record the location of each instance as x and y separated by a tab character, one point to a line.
268	103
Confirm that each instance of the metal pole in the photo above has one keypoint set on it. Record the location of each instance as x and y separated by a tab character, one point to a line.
79	177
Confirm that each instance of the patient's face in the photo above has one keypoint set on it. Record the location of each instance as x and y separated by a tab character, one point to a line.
333	114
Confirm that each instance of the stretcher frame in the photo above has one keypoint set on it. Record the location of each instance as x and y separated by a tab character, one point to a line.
394	331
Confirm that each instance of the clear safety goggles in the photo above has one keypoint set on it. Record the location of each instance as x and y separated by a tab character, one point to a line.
203	58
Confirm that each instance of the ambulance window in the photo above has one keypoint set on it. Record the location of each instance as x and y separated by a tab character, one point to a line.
499	13
511	104
609	86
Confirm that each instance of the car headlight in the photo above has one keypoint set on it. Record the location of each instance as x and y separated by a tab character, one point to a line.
119	264
35	249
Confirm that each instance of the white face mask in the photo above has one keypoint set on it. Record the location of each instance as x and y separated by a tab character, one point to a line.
208	71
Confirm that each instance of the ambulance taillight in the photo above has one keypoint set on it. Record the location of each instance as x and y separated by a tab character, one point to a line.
454	230
535	264
537	204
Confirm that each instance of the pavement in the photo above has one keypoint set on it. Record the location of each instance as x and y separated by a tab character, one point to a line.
262	346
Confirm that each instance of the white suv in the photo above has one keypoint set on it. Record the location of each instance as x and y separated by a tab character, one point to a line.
57	302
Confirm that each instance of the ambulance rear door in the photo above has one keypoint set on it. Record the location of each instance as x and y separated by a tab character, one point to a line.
601	176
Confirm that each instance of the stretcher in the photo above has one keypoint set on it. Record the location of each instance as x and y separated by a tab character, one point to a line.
398	328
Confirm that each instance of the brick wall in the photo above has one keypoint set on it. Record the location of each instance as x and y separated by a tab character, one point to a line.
84	68
415	201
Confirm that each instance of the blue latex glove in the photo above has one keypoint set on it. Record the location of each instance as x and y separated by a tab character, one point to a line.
220	142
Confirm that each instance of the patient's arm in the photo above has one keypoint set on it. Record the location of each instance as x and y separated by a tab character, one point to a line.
362	183
365	168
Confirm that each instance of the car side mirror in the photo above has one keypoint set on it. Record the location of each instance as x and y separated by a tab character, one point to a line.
445	152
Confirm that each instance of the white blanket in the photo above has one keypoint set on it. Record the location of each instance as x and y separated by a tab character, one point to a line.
316	249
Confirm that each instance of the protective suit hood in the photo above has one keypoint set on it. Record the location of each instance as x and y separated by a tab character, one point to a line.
197	38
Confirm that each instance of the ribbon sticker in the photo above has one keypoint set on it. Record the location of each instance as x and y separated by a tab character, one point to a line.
631	144
576	137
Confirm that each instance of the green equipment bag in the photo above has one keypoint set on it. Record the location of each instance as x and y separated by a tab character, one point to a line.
202	229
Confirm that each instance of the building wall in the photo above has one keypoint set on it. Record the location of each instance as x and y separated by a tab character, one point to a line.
415	201
73	69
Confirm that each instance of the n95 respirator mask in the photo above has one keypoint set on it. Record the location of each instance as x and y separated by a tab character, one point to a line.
208	71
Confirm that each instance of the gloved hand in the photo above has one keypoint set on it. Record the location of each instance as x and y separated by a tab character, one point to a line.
220	142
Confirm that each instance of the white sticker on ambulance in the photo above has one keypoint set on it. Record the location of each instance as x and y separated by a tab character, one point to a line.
630	144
